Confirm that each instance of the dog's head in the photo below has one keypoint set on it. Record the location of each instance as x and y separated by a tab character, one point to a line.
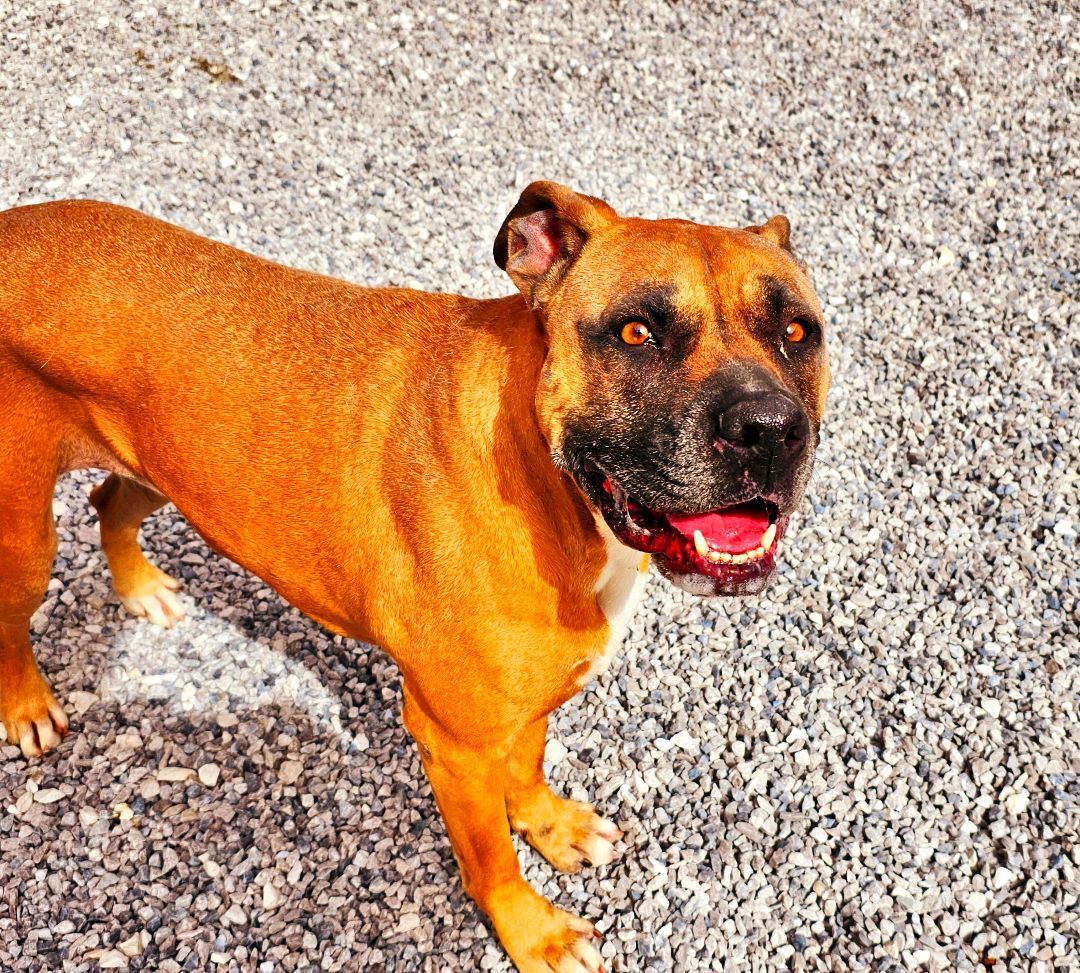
685	377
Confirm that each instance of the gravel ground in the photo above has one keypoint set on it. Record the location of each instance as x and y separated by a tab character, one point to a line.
874	766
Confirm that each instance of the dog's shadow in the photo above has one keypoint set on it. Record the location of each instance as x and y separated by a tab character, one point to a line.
319	793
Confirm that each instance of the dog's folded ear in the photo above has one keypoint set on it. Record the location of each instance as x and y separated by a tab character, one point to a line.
544	234
777	230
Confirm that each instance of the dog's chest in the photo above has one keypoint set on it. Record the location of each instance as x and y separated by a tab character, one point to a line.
618	591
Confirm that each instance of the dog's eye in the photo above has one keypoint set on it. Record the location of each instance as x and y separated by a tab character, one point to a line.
636	333
796	332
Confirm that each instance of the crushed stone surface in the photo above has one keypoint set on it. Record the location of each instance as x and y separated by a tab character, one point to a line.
874	766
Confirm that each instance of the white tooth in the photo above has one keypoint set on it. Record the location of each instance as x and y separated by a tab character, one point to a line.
700	545
768	537
739	558
724	557
755	554
715	556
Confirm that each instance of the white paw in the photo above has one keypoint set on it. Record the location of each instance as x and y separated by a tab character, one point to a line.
161	606
599	846
583	957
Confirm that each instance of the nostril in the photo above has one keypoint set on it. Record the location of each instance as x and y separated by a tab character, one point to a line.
736	431
797	435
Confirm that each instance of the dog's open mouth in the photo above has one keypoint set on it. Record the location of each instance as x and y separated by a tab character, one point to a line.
729	550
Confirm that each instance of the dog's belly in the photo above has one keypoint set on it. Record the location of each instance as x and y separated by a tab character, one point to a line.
618	591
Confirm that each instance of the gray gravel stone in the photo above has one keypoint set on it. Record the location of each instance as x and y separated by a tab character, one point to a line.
875	766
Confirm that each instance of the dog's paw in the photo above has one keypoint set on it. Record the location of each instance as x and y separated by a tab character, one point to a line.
567	833
542	939
154	598
580	957
33	720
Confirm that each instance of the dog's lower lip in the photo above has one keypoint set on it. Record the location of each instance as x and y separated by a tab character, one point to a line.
729	560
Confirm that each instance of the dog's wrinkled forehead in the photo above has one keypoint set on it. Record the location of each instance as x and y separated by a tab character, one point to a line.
716	295
703	271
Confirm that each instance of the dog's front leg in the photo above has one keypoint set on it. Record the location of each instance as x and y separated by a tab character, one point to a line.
470	783
567	833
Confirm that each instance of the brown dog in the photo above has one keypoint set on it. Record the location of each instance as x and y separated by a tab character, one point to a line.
473	485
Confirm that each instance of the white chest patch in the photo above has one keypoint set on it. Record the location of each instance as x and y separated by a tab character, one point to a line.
618	591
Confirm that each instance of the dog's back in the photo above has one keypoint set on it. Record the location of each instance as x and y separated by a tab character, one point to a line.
131	345
144	294
221	381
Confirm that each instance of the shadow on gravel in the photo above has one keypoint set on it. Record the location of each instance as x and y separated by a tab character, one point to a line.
237	785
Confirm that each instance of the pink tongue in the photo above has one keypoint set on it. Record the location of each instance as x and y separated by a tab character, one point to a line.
733	529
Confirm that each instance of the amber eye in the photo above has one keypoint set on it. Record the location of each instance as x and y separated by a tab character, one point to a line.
636	333
796	332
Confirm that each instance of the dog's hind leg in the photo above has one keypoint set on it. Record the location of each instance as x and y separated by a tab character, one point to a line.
122	505
567	833
33	719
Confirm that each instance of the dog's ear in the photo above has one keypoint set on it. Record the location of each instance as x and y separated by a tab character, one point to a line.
544	234
777	230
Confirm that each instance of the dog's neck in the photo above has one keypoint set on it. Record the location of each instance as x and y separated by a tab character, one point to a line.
492	392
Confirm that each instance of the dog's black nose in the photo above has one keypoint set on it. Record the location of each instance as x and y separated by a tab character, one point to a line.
771	425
